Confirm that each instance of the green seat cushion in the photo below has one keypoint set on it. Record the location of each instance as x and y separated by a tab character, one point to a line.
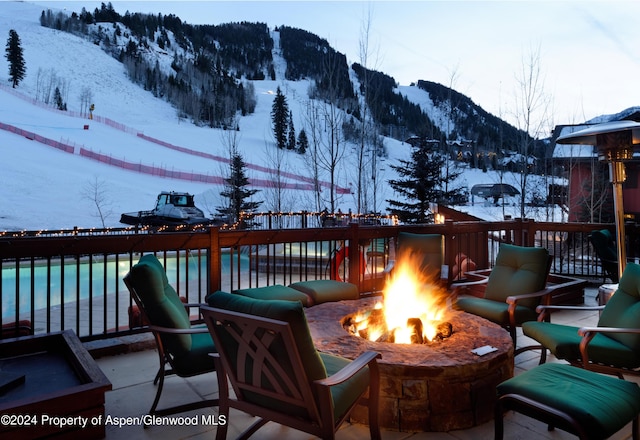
494	311
291	312
564	342
277	291
345	394
601	404
198	359
321	291
161	302
518	270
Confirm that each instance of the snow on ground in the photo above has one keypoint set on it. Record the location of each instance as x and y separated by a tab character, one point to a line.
44	188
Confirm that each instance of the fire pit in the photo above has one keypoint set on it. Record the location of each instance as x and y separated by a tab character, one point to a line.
440	385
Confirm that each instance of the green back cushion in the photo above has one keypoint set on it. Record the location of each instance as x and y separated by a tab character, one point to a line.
161	302
518	271
623	309
429	247
604	245
281	310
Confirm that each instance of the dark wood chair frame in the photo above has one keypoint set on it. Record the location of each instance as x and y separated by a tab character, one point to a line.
254	336
165	358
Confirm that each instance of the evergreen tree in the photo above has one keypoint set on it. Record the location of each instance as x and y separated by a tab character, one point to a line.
303	142
421	183
17	68
57	99
291	142
280	118
236	192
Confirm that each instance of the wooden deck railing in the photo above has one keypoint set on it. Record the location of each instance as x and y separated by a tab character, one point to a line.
73	279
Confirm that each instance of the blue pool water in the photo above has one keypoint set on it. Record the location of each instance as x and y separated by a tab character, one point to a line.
61	286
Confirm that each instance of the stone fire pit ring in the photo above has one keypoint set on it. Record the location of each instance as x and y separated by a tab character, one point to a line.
441	386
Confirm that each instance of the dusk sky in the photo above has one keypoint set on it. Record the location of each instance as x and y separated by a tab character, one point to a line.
588	49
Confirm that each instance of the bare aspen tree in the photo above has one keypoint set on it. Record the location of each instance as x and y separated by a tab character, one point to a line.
86	98
449	110
314	129
368	149
96	191
531	113
333	143
276	197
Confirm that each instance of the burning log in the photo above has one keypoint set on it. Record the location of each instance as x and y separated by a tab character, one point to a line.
415	324
443	331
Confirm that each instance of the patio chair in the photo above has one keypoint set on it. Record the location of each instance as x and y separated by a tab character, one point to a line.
266	352
184	348
604	246
512	289
426	249
612	346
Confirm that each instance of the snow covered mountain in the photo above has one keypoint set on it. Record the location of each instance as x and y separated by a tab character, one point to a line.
45	187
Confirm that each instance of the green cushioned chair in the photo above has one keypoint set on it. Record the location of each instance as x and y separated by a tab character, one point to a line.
612	347
604	245
515	286
429	248
276	291
266	352
321	291
587	404
184	348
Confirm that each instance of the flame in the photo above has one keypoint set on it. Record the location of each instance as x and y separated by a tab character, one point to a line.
411	293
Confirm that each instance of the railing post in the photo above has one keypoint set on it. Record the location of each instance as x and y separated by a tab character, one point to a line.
215	261
355	255
518	232
451	247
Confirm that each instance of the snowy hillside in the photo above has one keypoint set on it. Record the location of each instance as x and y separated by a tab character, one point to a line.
45	188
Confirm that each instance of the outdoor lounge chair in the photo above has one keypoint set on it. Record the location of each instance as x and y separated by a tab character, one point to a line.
266	352
513	289
425	250
604	246
612	347
184	348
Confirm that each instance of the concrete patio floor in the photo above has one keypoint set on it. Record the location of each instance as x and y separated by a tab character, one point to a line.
133	391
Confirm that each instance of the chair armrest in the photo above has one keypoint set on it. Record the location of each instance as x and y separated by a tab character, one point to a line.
459	286
543	307
349	370
588	333
389	267
513	299
191	305
544	310
178	331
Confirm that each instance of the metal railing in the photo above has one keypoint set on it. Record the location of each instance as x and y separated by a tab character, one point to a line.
73	279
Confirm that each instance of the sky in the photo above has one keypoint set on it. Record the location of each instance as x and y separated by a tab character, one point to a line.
588	59
44	188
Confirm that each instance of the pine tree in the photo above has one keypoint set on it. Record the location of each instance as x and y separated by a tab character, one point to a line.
17	68
303	142
237	194
291	142
280	118
57	99
421	183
